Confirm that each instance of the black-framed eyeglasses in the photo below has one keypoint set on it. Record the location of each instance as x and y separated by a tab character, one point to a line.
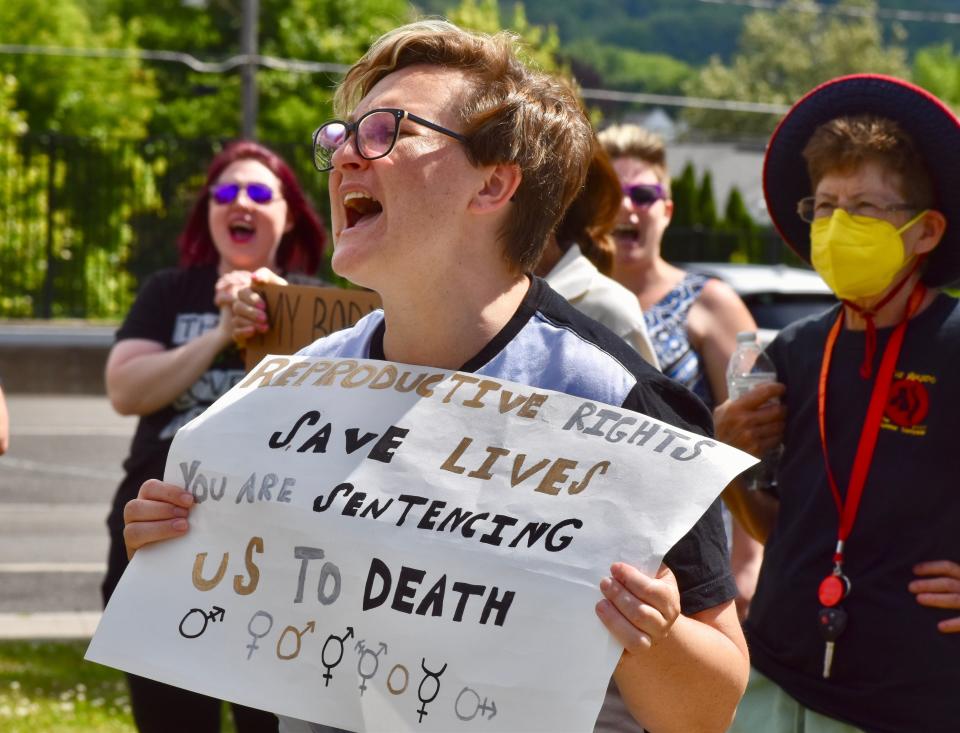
809	209
645	194
226	193
375	133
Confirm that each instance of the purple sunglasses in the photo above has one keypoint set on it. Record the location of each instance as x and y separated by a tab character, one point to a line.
226	193
645	194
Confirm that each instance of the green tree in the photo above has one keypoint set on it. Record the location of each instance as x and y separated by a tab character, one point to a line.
540	43
684	193
783	54
75	96
706	205
196	110
18	191
77	237
737	220
612	67
937	69
12	121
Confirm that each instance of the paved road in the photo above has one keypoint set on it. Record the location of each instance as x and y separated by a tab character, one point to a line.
56	482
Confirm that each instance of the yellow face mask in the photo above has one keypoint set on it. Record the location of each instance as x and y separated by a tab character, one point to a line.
857	256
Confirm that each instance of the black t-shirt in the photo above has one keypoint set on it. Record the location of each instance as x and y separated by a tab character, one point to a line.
893	671
550	344
173	307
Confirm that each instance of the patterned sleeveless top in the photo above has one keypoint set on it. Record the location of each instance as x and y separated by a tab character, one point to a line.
667	326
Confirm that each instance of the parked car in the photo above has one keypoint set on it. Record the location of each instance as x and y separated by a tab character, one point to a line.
775	294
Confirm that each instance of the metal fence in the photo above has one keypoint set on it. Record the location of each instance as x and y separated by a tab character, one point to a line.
83	221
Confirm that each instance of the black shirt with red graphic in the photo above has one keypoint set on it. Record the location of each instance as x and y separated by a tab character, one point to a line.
893	671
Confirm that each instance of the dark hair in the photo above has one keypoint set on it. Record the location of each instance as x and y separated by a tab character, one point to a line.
512	114
591	217
300	248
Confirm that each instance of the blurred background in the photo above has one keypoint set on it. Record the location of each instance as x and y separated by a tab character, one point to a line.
108	108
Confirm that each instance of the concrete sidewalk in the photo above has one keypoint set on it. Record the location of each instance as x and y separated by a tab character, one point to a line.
56	486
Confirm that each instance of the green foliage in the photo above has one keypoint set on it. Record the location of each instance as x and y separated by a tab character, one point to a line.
12	121
293	105
685	194
684	29
74	96
784	54
706	206
937	69
737	219
697	232
540	44
612	67
48	688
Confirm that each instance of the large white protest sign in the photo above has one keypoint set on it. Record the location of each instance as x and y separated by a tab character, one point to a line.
384	547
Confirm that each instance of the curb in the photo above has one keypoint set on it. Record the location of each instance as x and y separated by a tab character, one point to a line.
59	625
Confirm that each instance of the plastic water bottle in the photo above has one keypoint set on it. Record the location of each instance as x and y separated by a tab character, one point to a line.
748	367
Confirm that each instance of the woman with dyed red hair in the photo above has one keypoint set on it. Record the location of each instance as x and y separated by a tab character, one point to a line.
175	355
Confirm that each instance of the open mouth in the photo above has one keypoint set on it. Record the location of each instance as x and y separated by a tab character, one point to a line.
626	235
242	231
360	207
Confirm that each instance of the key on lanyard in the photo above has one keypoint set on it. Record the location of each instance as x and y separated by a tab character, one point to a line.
832	622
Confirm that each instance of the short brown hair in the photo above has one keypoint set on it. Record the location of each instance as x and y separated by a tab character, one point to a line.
513	114
633	141
845	143
591	217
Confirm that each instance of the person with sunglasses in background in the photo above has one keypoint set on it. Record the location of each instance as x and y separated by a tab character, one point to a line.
450	165
692	320
175	355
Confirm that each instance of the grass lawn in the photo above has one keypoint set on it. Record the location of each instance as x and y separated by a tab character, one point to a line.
46	687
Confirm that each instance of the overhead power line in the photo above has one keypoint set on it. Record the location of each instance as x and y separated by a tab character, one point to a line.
204	67
313	67
910	16
728	105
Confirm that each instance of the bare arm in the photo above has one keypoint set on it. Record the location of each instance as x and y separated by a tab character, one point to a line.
677	673
143	376
715	319
4	424
756	511
713	323
755	424
745	562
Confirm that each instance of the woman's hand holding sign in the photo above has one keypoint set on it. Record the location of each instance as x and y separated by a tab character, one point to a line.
158	513
639	610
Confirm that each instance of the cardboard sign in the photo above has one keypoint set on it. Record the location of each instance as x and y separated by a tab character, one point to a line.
300	314
385	547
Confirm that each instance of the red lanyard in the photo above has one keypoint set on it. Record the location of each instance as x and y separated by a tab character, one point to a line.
871	424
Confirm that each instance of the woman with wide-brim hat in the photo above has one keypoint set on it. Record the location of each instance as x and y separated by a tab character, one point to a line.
855	622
